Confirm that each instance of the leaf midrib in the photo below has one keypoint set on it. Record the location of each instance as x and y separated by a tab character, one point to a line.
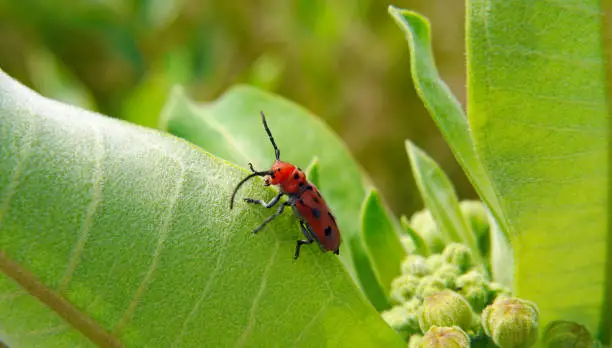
56	303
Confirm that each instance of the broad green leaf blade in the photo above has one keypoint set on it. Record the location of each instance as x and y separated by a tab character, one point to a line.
312	172
381	240
231	128
502	259
442	104
537	110
145	101
127	235
370	285
441	200
420	245
27	322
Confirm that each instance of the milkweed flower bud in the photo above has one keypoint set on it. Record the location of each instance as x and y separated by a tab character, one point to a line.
415	265
472	286
449	274
404	287
478	217
416	341
424	224
435	261
458	254
403	321
476	213
445	308
430	285
567	334
477	296
413	305
511	322
471	278
476	329
408	243
446	337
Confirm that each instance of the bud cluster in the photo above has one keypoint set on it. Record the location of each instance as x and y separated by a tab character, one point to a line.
445	299
446	291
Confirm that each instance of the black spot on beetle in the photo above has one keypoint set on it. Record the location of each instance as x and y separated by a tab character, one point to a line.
316	213
301	201
315	199
308	188
296	176
301	184
328	230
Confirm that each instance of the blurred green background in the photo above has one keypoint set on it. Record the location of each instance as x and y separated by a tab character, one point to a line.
344	60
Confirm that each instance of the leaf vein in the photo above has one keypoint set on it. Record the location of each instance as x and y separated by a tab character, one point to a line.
565	5
227	135
97	185
7	296
588	130
56	303
561	57
158	250
46	331
330	289
204	293
551	158
574	8
314	319
24	154
254	306
534	180
553	98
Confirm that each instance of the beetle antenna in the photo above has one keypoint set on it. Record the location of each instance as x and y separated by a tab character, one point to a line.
252	175
276	150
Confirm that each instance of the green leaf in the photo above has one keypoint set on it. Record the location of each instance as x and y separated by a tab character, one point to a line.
143	104
420	245
312	172
539	120
369	283
231	128
114	234
442	104
381	240
441	200
502	259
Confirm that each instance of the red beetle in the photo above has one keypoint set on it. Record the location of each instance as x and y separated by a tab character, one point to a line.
316	220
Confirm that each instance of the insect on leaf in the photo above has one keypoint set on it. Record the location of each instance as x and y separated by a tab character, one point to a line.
230	128
116	235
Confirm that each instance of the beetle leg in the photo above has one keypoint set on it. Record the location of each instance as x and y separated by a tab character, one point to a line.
267	205
308	240
270	218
